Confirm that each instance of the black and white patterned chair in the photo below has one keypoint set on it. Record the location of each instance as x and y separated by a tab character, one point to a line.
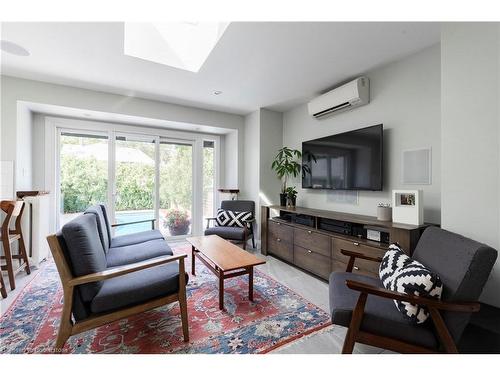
368	309
234	221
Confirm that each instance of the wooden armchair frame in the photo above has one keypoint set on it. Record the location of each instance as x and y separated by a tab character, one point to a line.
69	328
355	334
248	231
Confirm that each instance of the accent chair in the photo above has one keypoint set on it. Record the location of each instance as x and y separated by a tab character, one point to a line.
235	233
362	304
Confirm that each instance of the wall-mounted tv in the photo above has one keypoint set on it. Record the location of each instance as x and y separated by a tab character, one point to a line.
345	161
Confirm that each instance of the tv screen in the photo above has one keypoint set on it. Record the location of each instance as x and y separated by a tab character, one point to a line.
345	161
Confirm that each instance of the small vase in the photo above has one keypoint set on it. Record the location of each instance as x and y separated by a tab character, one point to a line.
292	201
283	199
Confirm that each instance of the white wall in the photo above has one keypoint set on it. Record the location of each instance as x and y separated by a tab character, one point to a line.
271	140
251	175
14	131
405	97
263	137
470	131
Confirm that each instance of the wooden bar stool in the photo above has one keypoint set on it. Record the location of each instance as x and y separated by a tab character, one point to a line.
13	209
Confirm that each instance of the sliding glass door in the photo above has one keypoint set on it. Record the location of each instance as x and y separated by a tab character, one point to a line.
134	195
176	188
139	177
83	172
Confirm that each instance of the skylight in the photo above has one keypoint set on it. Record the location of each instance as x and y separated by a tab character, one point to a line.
183	45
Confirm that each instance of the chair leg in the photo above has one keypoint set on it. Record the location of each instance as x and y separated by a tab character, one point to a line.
10	266
65	326
253	241
24	255
184	316
357	317
3	289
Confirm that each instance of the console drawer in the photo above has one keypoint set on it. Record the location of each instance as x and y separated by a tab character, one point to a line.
280	248
281	231
341	244
361	266
317	242
312	261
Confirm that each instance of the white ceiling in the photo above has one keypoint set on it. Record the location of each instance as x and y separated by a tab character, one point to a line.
255	64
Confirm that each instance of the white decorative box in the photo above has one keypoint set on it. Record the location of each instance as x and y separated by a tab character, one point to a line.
408	207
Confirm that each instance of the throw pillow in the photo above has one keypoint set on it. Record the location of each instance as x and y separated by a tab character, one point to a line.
227	218
399	273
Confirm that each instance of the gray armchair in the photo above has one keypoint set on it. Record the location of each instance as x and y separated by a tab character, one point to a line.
235	234
105	283
363	305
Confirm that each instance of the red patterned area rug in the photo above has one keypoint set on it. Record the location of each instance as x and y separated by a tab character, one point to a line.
277	316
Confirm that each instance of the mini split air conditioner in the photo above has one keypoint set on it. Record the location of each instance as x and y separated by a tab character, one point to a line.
350	95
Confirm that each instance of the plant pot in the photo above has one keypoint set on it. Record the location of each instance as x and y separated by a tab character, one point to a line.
283	199
384	213
179	230
292	201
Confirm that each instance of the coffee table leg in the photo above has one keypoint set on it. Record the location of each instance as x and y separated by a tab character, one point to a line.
193	259
221	290
250	283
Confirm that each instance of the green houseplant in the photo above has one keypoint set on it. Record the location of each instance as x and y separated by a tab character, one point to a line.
287	163
177	221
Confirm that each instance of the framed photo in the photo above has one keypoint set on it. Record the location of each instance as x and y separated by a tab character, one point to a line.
408	207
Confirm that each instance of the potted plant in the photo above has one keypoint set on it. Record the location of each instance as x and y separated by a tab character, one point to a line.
177	221
291	194
287	164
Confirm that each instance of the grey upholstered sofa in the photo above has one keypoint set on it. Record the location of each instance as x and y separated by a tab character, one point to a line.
236	234
463	266
106	278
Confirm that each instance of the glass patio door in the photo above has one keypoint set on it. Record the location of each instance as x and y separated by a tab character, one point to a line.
83	172
134	182
176	188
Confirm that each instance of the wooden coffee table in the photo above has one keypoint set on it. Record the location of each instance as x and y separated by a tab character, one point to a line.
225	260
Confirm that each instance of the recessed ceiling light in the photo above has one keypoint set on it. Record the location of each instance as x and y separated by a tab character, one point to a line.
217	92
13	48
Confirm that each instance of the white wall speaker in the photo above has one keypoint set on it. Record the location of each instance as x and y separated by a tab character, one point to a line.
416	166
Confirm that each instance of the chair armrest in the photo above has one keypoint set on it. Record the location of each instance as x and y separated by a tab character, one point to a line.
123	270
418	300
353	255
133	222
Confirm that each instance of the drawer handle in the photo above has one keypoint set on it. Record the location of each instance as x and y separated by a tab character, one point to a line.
309	252
356	268
309	232
278	239
355	243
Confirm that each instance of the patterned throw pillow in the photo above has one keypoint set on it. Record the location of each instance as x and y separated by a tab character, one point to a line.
227	218
399	273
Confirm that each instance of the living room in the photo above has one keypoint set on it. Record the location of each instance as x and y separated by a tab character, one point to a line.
250	187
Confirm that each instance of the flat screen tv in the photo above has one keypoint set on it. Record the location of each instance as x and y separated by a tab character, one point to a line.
345	161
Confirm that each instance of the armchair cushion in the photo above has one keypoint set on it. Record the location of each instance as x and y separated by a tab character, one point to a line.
228	233
135	238
119	256
381	316
228	218
137	287
399	273
85	251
